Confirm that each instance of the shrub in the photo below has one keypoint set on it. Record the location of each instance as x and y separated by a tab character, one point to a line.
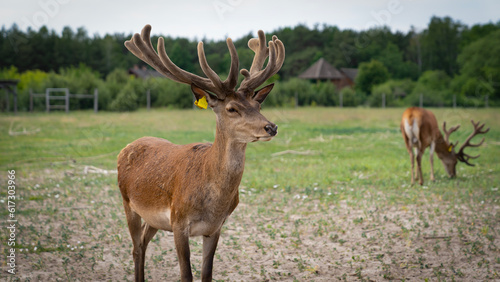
126	100
352	98
434	85
394	90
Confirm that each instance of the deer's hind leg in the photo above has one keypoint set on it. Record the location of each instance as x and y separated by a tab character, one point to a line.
409	148
420	176
141	235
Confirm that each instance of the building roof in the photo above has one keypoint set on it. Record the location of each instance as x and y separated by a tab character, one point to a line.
350	73
9	82
143	72
321	70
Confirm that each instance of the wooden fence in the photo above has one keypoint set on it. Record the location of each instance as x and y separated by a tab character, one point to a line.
48	98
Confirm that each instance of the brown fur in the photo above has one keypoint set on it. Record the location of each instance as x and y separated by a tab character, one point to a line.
190	190
429	135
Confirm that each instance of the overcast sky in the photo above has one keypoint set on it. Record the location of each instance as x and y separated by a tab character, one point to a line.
216	19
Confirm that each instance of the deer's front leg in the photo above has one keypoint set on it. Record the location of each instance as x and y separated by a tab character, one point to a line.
209	246
181	238
431	159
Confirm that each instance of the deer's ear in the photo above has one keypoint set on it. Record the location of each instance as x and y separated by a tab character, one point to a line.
200	93
260	95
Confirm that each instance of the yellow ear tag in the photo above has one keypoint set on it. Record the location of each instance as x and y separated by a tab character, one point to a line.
202	103
450	148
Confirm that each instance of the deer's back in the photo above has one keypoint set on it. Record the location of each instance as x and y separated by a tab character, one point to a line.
155	166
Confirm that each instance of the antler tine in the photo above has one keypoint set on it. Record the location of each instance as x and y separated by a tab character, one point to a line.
465	158
449	132
280	50
478	129
187	77
258	45
253	80
232	78
276	52
145	52
140	46
209	72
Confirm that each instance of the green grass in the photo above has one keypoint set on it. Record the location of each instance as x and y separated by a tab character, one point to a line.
349	193
359	146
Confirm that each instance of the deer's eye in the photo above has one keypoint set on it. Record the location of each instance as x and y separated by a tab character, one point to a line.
232	110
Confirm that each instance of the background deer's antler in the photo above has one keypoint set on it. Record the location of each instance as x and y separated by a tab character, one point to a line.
461	155
447	133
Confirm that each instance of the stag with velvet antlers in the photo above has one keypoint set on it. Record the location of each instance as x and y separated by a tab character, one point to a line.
420	130
191	190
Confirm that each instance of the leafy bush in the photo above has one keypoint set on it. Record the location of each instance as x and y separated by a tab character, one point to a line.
435	88
113	85
325	94
394	90
283	94
168	93
126	100
352	98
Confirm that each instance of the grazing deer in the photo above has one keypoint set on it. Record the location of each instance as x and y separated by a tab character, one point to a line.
420	130
191	190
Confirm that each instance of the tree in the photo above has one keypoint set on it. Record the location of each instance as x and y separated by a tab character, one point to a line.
392	58
371	74
440	45
480	68
476	32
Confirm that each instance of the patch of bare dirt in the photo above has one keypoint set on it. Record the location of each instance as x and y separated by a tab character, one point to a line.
74	228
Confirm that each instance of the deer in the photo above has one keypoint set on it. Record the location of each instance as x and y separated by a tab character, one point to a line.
190	190
420	130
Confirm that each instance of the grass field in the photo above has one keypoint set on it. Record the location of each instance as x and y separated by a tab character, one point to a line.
327	199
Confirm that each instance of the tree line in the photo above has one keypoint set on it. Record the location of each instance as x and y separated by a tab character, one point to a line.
446	59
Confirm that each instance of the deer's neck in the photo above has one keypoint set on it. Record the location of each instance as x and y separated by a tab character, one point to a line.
227	159
442	147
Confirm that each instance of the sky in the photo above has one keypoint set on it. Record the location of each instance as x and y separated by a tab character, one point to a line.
218	19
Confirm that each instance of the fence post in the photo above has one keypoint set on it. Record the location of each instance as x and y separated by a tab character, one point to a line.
341	100
148	98
486	101
47	101
421	103
15	99
31	100
454	101
383	100
7	100
67	100
296	99
96	100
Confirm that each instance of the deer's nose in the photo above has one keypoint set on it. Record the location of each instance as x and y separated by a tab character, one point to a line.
271	129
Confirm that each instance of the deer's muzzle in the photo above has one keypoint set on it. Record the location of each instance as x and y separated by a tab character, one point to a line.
271	129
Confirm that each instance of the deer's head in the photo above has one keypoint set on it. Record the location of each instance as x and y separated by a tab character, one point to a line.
237	110
451	157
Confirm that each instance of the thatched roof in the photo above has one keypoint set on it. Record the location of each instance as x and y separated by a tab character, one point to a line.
350	73
321	70
144	72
